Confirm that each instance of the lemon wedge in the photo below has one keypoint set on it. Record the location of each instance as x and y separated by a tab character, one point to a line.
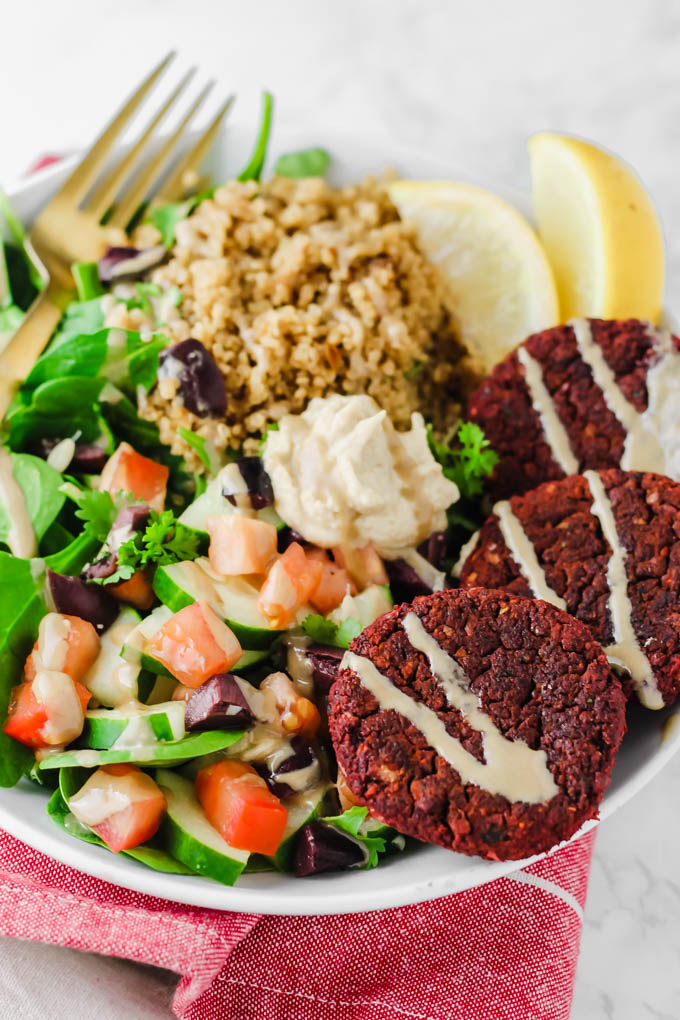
599	228
498	281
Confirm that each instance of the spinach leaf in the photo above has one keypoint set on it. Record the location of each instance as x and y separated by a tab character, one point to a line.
305	163
119	355
153	856
17	231
86	278
58	408
253	169
40	485
24	290
73	557
21	610
80	317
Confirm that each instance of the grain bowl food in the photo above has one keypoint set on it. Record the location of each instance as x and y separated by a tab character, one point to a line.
299	289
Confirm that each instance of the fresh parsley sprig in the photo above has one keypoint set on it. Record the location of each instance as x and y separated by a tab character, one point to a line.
163	541
327	632
468	461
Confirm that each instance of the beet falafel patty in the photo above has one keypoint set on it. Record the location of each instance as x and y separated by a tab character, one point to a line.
478	720
605	546
591	394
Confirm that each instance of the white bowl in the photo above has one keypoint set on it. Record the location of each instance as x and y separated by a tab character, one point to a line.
412	877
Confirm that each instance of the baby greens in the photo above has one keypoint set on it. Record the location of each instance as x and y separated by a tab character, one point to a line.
306	163
41	486
326	632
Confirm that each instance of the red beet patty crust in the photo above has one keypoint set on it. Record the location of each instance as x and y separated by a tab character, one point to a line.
605	546
478	720
589	394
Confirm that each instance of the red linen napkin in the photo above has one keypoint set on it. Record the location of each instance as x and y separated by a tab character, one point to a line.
504	951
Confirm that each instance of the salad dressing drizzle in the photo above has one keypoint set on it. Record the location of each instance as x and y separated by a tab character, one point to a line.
524	555
21	538
626	650
555	433
511	768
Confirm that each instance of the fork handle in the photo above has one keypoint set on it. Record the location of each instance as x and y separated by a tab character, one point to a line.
21	353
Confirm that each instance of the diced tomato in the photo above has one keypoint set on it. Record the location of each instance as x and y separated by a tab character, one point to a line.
296	714
239	805
335	582
240	545
129	826
136	591
129	471
195	645
289	584
363	564
66	644
27	717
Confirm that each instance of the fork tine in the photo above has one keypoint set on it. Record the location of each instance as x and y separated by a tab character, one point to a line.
105	193
83	175
141	187
173	187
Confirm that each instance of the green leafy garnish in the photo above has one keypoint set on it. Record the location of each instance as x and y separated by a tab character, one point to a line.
328	632
306	163
119	355
350	821
415	369
41	488
197	443
17	231
253	168
96	509
163	541
469	462
86	278
166	217
272	427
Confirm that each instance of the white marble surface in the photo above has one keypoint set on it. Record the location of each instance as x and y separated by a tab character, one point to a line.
468	81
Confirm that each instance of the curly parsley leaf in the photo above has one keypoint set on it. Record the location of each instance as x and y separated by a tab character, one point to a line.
163	541
327	632
97	509
468	462
351	821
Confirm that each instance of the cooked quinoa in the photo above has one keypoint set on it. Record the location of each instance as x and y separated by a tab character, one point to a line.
300	290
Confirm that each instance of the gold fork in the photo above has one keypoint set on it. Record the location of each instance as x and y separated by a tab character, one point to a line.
68	229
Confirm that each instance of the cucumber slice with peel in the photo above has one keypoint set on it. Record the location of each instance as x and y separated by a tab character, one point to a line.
113	679
107	727
212	502
170	754
190	838
233	599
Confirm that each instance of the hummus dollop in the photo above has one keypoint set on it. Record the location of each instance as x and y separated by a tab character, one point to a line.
343	475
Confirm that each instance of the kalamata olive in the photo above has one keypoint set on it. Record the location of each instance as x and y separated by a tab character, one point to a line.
325	661
89	459
100	569
286	536
245	483
123	263
303	760
218	704
201	385
324	848
72	596
130	520
405	583
434	549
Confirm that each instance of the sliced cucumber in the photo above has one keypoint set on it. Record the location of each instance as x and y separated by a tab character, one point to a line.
160	689
302	808
113	679
188	835
170	754
109	727
212	502
233	599
365	607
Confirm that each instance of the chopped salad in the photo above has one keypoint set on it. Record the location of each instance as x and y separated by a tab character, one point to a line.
168	639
